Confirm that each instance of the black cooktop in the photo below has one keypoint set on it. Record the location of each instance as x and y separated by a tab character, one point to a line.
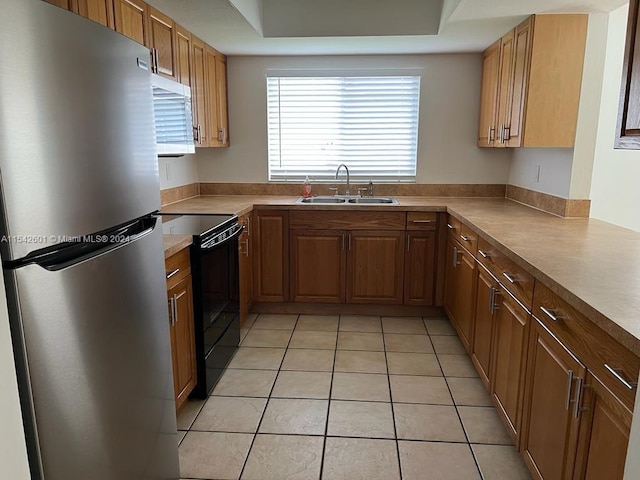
196	225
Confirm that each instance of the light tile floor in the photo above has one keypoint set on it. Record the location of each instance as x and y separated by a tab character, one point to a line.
347	398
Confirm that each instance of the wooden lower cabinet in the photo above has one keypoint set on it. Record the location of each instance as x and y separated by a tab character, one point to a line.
318	265
486	289
604	434
510	347
181	325
460	290
551	416
419	268
271	255
375	267
245	260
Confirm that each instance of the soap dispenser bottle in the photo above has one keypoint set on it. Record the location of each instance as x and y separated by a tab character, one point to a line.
306	188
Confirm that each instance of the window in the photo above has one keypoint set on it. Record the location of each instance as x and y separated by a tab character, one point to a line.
369	123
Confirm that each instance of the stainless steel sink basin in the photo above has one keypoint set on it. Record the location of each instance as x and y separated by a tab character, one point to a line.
374	200
319	199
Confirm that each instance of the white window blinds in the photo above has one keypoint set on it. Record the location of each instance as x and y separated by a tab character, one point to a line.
369	123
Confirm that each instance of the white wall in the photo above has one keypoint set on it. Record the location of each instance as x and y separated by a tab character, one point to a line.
176	171
555	166
615	189
13	451
449	104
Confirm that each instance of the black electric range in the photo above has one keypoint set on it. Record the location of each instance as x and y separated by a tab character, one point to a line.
215	273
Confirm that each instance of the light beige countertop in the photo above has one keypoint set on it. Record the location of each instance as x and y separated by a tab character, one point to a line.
593	265
174	243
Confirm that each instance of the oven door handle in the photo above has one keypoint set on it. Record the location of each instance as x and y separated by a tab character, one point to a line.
206	247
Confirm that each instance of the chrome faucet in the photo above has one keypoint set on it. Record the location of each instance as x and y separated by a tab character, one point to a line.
348	181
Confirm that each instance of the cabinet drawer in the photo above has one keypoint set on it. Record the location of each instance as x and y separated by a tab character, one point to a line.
422	220
468	239
327	220
602	354
513	277
177	267
453	226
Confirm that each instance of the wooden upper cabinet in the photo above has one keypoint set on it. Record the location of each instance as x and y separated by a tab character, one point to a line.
162	40
100	11
538	84
487	125
211	101
419	272
271	255
132	20
198	91
628	129
221	99
551	406
375	267
318	264
66	4
183	55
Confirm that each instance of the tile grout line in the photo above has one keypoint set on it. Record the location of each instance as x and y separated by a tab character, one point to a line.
255	435
393	411
326	425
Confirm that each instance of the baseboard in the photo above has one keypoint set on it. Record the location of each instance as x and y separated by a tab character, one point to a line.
348	309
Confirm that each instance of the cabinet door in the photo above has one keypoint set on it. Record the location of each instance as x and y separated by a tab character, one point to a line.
318	266
100	11
182	339
375	267
549	433
66	4
509	360
211	103
162	43
628	131
221	99
518	83
245	256
507	44
487	126
486	291
466	285
271	255
451	281
131	18
604	434
183	55
198	92
419	273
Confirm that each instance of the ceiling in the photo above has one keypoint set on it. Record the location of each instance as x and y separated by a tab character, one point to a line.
349	27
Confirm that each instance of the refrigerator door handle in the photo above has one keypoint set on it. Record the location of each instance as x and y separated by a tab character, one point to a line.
67	254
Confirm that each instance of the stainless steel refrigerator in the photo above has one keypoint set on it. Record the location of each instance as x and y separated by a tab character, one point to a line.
82	254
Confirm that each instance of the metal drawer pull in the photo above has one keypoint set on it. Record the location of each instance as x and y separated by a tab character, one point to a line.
617	372
509	277
569	383
422	221
553	316
450	227
169	275
483	254
464	237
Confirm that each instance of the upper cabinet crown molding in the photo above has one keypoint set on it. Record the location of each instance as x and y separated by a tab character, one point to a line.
628	129
531	97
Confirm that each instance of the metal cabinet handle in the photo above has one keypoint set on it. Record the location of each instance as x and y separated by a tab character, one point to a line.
617	372
344	241
199	134
507	133
195	133
456	252
222	136
349	241
171	274
171	310
421	221
510	278
450	227
248	224
567	400
502	133
576	401
492	298
175	308
552	315
464	237
490	134
482	254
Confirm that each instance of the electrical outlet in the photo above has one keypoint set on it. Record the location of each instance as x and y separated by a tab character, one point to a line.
167	169
172	230
536	177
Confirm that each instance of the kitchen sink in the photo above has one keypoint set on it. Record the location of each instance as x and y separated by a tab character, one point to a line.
374	200
325	200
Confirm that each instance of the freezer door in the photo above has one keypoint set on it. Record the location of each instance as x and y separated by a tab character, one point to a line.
96	341
77	138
